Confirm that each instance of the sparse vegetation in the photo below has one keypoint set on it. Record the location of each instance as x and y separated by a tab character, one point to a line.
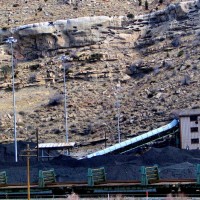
185	80
88	68
180	53
5	28
34	67
16	5
22	113
56	131
55	100
95	57
32	78
146	4
130	15
140	2
39	9
176	42
5	71
167	54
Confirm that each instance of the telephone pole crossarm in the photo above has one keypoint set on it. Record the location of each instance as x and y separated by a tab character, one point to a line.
28	153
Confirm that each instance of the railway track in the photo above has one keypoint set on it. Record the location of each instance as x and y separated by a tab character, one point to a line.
135	188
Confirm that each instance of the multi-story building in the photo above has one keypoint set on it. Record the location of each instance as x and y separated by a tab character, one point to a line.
190	129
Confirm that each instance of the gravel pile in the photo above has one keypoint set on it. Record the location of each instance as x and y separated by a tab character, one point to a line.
172	162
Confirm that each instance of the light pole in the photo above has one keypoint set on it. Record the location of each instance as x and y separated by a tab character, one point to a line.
118	87
65	58
10	41
105	136
118	120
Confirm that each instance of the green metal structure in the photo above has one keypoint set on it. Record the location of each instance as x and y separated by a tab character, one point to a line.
198	173
3	178
97	184
96	176
46	177
149	175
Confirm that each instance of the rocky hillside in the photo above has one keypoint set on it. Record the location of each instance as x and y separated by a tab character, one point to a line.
144	67
19	12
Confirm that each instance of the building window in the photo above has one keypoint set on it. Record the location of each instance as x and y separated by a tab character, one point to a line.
194	129
195	141
194	118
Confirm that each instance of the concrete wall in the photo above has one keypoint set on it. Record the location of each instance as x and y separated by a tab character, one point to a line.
190	136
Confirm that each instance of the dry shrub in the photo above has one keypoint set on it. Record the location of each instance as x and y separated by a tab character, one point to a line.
55	100
185	80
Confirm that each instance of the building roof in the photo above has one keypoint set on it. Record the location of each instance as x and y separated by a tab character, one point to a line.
189	112
62	145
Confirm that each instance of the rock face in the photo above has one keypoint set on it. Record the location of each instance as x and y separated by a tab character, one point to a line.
34	40
147	65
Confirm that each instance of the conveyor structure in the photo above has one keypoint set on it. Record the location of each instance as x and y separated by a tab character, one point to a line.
138	140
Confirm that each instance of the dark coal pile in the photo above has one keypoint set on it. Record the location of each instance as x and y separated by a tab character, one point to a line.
172	162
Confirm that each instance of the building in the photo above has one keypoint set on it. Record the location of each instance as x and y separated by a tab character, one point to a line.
48	147
190	129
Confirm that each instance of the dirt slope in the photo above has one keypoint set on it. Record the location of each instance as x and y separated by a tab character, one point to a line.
162	77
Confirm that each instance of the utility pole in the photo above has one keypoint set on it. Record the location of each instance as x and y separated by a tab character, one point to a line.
28	154
10	41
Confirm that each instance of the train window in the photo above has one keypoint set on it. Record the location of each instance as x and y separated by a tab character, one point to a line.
194	129
193	118
195	141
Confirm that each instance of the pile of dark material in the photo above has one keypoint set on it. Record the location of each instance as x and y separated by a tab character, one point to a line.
173	163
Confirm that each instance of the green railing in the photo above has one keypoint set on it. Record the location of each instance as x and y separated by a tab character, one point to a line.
3	178
149	175
46	177
96	176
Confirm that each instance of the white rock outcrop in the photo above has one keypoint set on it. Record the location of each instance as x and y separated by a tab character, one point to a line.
35	39
40	39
